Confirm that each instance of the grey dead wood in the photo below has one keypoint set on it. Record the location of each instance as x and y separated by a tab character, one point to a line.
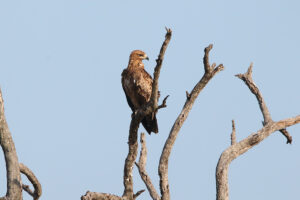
210	71
237	149
14	184
142	169
13	167
137	117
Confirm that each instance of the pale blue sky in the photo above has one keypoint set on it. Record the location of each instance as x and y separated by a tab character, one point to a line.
60	66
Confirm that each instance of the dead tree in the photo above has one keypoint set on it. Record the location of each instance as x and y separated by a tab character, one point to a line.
13	167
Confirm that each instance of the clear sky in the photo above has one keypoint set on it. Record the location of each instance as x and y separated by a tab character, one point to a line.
60	71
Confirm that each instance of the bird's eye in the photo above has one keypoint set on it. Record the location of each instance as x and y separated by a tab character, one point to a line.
141	55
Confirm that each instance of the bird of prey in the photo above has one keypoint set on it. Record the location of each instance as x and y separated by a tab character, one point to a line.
137	85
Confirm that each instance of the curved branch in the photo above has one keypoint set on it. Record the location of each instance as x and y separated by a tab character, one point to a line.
14	186
34	181
243	146
210	71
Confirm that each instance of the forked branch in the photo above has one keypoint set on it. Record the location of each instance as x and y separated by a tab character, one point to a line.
247	78
236	149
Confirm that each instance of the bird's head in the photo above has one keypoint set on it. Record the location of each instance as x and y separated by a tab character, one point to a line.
138	55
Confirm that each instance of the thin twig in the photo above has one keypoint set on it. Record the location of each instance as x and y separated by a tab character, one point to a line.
286	134
138	194
164	103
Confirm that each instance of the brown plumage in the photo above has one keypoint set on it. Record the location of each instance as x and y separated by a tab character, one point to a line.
137	85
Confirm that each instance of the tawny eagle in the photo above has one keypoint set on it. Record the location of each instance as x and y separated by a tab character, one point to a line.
137	85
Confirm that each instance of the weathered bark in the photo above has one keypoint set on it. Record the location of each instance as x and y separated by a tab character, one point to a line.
133	132
236	149
14	184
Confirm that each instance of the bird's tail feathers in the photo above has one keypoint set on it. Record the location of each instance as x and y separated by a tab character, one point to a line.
150	123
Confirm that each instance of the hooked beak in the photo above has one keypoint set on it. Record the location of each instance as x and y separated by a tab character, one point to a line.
147	58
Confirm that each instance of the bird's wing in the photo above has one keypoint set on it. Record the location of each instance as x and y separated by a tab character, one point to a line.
143	83
126	87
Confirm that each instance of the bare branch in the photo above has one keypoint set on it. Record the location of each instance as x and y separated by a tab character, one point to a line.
243	146
28	190
247	78
138	194
142	169
207	66
164	103
210	71
34	181
159	62
100	196
233	136
14	186
105	196
132	154
286	134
